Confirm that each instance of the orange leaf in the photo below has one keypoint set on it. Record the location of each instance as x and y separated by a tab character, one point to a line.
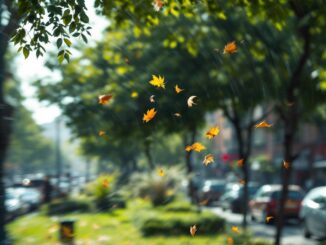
230	48
240	162
196	147
105	183
193	230
101	133
177	89
268	218
208	159
212	132
188	148
104	99
204	202
286	164
230	241
149	115
263	124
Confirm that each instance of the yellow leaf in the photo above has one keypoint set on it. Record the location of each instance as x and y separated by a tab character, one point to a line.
230	241
178	89
188	148
235	229
197	147
208	159
134	94
104	99
105	183
230	48
149	115
193	230
157	81
161	172
211	133
268	218
263	124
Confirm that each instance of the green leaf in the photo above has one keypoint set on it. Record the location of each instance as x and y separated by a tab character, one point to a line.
72	27
67	41
59	42
25	52
84	18
84	38
61	58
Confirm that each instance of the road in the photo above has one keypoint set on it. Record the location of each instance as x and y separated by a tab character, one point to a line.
292	232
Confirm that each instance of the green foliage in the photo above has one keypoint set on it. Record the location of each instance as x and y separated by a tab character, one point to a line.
64	206
247	239
179	206
176	223
102	189
160	190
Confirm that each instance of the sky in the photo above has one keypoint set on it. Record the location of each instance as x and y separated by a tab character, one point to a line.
33	68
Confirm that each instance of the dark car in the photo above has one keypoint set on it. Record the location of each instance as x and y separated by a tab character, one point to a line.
265	202
211	191
234	198
313	213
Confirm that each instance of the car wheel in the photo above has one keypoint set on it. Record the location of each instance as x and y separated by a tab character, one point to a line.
306	231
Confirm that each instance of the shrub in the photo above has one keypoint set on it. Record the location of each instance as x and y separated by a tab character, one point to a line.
247	239
160	190
171	223
68	206
180	206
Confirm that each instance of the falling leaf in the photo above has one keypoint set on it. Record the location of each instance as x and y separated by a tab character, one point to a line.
286	164
269	218
67	231
104	99
188	148
240	162
193	230
208	159
204	202
230	241
149	115
263	124
242	182
190	101
198	147
177	114
157	4
134	94
151	99
177	89
230	48
235	229
212	132
101	133
157	81
127	60
105	183
161	172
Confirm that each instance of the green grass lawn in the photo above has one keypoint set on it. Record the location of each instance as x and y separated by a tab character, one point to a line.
115	228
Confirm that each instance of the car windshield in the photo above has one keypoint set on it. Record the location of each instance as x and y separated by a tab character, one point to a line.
293	195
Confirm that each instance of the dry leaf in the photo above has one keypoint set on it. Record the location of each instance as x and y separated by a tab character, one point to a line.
190	101
105	183
242	182
230	48
208	159
104	99
286	164
177	89
157	81
230	241
268	218
240	162
101	133
157	4
235	229
193	230
161	172
151	99
195	147
263	124
149	115
67	231
212	132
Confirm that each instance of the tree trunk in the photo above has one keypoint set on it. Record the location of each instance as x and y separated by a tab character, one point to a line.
148	155
290	119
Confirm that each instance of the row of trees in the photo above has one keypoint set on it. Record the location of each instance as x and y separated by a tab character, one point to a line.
277	65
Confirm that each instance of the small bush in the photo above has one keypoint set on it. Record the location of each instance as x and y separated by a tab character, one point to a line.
180	206
170	223
68	206
247	239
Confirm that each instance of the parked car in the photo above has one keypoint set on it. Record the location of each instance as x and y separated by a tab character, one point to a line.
265	202
14	205
313	213
211	191
233	199
30	196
